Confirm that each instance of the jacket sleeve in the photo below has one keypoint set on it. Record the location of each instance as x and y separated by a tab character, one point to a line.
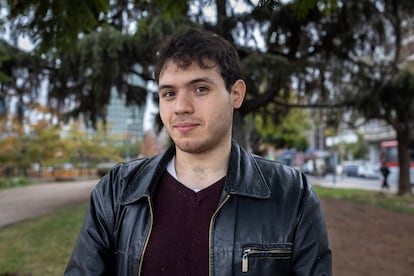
311	251
93	253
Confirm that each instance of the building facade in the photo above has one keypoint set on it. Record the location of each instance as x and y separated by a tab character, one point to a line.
125	122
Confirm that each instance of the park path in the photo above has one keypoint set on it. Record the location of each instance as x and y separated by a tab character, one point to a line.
366	241
21	203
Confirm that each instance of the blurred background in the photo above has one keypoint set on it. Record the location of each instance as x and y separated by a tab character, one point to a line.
330	85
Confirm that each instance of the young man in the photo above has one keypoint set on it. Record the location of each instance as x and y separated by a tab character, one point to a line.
206	206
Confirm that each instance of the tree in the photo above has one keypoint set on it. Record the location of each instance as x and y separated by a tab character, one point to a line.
13	149
43	133
373	77
334	54
350	58
360	148
19	150
19	78
83	151
290	133
86	48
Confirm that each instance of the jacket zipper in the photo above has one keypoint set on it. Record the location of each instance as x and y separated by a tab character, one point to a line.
211	232
147	238
251	251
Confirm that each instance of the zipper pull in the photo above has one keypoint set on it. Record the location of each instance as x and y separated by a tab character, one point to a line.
245	260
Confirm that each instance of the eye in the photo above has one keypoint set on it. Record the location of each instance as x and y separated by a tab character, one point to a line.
201	90
167	94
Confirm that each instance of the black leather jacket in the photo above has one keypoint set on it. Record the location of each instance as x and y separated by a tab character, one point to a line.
268	222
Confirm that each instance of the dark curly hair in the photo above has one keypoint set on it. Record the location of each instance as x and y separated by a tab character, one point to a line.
206	48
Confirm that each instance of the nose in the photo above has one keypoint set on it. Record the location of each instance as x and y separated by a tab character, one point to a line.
183	104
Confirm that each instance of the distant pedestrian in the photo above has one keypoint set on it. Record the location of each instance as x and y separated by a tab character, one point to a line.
385	172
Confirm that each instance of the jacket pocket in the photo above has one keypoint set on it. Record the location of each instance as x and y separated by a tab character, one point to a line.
266	259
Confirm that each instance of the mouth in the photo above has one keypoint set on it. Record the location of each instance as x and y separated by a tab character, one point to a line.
185	126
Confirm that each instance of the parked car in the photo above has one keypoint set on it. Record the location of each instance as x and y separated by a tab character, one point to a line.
315	167
350	169
104	167
368	170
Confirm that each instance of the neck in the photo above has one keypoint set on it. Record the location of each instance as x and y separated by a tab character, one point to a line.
198	171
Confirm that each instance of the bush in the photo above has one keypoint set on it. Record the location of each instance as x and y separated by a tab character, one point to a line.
11	182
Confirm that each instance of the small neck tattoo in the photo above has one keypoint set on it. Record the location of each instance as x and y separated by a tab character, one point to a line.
199	172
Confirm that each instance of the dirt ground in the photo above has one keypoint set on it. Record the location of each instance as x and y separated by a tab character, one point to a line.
365	241
369	241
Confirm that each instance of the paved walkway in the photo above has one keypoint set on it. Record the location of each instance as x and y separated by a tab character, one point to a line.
21	203
373	184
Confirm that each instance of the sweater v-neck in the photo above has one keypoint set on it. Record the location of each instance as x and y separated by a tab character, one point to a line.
179	240
190	193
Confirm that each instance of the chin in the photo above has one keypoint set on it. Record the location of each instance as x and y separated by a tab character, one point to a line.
192	146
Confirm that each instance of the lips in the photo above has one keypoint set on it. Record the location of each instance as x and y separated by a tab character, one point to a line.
185	126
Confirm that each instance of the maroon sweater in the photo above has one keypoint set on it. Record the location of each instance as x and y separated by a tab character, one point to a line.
179	240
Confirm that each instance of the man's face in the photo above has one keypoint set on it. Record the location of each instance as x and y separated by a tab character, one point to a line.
196	108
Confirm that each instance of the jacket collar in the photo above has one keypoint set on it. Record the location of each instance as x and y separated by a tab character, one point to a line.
244	176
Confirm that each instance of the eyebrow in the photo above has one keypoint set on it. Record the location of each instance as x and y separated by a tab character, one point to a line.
191	82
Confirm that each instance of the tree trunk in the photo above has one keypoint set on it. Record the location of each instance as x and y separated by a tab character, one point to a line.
404	187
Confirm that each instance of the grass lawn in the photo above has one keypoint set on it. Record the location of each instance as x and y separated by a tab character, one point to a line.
42	246
378	199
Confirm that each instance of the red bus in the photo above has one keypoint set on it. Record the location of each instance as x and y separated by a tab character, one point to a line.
389	156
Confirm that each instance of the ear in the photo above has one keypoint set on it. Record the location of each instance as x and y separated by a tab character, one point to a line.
238	91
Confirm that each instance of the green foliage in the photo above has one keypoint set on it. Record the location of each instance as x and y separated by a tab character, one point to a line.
82	150
19	73
45	134
267	77
100	61
290	132
170	9
325	6
12	182
353	151
327	49
360	149
129	150
87	48
56	24
73	147
90	47
400	93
